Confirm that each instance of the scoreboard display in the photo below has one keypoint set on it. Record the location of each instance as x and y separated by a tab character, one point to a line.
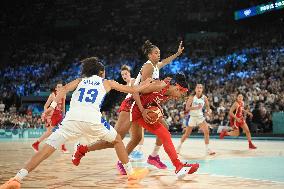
260	9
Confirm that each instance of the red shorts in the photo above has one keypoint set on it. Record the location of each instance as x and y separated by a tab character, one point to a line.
126	105
235	123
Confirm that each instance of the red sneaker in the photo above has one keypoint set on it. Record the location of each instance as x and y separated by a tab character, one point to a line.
79	152
35	146
252	146
185	169
64	149
11	184
223	134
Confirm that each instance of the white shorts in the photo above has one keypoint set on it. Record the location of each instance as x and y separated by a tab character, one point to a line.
72	130
195	121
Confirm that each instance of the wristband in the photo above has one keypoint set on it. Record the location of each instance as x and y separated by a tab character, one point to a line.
53	104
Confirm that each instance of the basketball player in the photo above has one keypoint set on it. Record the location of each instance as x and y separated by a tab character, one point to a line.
156	93
149	70
195	105
53	120
237	120
151	97
83	119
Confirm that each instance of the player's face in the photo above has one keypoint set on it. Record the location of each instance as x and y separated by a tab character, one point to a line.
240	98
103	74
199	89
155	55
125	75
176	92
58	86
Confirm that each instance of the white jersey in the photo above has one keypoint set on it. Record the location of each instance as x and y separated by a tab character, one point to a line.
86	101
155	75
196	102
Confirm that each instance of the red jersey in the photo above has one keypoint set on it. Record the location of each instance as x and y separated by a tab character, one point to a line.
58	109
150	99
239	114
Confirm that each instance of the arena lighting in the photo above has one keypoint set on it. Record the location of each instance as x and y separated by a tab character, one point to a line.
260	9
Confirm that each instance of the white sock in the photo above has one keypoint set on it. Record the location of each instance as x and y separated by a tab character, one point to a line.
139	147
21	174
155	151
128	168
179	146
206	147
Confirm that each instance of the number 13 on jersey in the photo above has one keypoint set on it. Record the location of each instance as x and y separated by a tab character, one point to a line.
91	95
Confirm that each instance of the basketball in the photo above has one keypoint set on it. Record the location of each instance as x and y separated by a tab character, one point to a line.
155	114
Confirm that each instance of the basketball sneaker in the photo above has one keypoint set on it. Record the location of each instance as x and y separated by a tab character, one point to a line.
79	152
156	162
137	175
185	169
120	168
252	146
223	134
35	146
64	149
11	184
136	156
210	152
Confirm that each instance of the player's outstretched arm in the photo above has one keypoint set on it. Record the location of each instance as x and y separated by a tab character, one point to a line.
62	93
111	84
155	86
168	60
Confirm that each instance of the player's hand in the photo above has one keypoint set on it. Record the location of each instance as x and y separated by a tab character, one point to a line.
144	84
145	115
238	119
250	114
209	112
180	49
47	113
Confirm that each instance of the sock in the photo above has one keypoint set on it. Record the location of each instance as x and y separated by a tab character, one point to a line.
155	151
128	168
206	147
179	146
139	148
21	175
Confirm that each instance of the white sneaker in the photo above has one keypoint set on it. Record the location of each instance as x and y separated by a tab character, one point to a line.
210	152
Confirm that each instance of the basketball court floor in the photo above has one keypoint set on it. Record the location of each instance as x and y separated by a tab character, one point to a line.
234	166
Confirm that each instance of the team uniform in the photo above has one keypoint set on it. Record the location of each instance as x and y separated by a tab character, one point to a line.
155	99
238	114
57	115
84	118
196	116
128	101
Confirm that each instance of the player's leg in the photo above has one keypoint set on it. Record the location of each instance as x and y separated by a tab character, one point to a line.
164	135
247	131
205	128
137	153
53	142
185	135
154	158
122	127
136	137
45	135
106	132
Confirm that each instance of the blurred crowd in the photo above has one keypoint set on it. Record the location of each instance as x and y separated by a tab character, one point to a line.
46	40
